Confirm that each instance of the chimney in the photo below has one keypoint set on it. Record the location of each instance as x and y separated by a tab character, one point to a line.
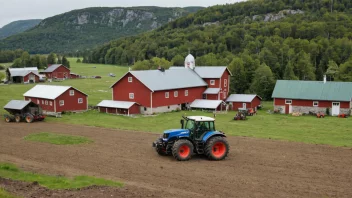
324	79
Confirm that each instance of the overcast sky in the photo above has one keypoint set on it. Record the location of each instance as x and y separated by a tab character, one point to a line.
13	10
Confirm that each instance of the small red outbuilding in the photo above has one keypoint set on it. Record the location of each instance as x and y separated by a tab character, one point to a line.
57	71
244	101
53	98
119	107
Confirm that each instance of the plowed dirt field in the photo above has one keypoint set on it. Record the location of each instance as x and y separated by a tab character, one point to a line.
254	167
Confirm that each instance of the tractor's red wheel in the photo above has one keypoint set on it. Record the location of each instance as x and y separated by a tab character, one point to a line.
182	150
18	118
217	148
29	118
7	119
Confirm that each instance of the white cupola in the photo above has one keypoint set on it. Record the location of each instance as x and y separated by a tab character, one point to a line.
190	62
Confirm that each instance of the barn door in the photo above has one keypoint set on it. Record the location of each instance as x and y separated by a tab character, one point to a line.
288	109
335	108
244	105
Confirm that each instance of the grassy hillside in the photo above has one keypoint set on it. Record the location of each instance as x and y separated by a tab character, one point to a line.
17	27
85	28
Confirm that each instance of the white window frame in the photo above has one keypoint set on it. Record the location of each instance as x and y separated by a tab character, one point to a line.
38	101
287	101
46	102
62	102
43	102
317	104
212	82
225	82
130	79
131	95
175	94
186	92
167	94
80	100
51	103
72	92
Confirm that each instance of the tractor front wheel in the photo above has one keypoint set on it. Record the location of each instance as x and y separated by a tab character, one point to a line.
29	118
7	119
182	150
18	118
217	148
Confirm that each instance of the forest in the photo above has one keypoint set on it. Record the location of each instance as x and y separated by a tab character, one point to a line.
260	40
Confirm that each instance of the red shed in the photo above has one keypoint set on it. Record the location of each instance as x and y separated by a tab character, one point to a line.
57	71
53	98
119	107
313	96
159	90
244	101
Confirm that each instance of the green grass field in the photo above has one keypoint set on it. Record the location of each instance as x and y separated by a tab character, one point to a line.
308	129
53	182
57	139
5	194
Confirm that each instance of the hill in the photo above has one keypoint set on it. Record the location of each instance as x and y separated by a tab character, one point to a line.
85	28
17	27
282	39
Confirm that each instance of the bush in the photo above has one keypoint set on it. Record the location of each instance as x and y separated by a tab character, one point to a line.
327	111
2	67
78	61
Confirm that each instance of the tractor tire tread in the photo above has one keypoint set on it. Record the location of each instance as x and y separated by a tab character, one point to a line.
176	146
18	118
208	148
31	118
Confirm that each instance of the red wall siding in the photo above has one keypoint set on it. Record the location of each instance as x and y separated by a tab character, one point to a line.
41	102
159	99
59	72
102	109
309	103
224	91
122	89
256	102
135	109
212	96
26	78
217	82
71	102
72	76
237	105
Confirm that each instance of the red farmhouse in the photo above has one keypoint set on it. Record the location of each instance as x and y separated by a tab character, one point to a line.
245	101
57	71
54	98
313	96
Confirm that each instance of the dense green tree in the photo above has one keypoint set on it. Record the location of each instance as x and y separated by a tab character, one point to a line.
78	60
238	81
59	59
263	82
345	71
65	62
289	73
178	60
52	58
333	70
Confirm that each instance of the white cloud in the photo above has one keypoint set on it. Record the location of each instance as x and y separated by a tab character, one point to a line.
39	9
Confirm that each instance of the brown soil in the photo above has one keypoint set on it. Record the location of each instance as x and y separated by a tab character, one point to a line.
254	167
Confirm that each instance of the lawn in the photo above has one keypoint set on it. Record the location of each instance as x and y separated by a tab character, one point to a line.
57	139
308	129
5	194
53	182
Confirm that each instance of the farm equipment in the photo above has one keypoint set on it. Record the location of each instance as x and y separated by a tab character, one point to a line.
251	112
23	110
241	115
320	115
342	115
197	135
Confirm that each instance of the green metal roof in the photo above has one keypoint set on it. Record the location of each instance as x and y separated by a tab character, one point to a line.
313	90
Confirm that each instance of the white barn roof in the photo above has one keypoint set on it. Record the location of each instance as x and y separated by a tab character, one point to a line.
116	104
241	98
22	71
211	71
212	91
157	80
205	104
16	104
47	91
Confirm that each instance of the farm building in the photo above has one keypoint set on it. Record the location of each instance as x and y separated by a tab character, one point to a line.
57	71
119	107
53	98
23	75
212	105
313	96
176	88
243	101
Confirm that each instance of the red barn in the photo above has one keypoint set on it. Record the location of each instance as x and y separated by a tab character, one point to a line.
23	75
313	96
119	107
218	80
57	71
159	90
54	98
244	101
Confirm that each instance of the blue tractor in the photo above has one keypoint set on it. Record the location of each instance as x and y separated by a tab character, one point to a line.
197	135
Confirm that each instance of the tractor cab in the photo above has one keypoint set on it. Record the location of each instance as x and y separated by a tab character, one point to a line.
196	135
197	125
